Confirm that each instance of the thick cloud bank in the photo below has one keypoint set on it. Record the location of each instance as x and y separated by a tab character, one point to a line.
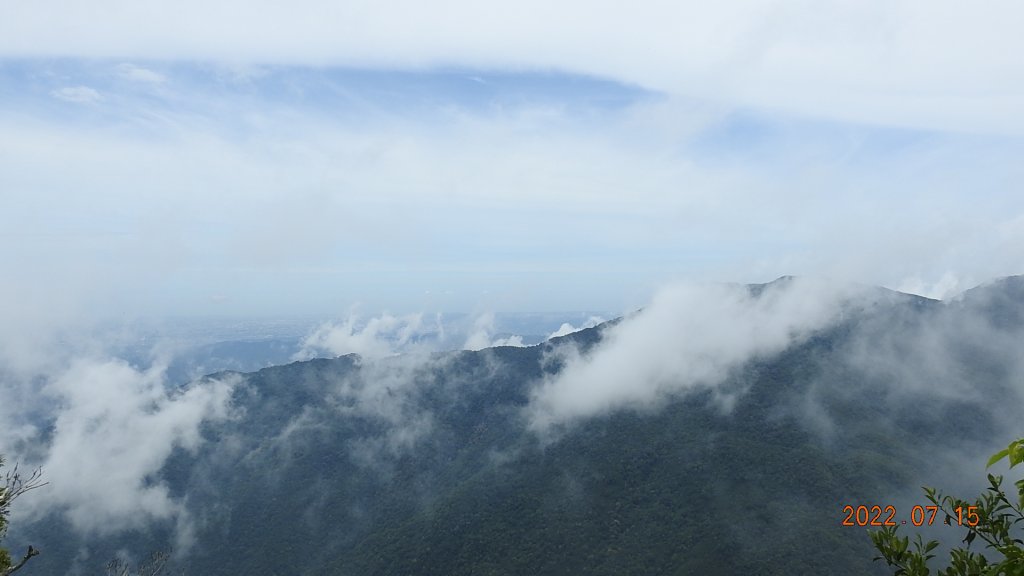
689	337
102	430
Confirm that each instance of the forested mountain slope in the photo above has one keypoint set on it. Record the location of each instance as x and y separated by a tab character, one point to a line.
443	464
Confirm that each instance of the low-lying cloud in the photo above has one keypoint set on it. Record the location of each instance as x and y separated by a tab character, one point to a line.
566	328
482	335
102	429
116	430
380	336
690	336
389	335
960	350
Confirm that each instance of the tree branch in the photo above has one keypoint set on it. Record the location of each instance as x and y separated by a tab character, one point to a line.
28	555
14	485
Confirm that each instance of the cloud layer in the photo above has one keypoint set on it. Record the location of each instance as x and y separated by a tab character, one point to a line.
118	427
102	430
689	337
303	191
567	328
908	63
380	336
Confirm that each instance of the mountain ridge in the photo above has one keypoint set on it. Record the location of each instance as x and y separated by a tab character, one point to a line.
427	464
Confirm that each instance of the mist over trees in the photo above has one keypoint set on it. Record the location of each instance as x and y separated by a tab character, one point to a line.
721	430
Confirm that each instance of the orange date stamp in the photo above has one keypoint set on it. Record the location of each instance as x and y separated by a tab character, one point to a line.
919	516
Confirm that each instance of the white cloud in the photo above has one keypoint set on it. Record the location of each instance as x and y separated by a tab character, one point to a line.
482	335
689	337
513	340
566	328
140	74
100	428
114	427
387	335
948	285
381	210
380	336
940	64
389	391
77	94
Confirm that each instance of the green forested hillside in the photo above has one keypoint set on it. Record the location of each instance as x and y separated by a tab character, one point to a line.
426	465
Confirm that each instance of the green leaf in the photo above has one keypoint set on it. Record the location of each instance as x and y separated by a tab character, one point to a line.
997	457
1016	454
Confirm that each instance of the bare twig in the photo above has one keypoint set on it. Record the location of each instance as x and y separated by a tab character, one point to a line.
28	555
15	485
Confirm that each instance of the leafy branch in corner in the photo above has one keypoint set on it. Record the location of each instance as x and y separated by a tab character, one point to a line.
993	519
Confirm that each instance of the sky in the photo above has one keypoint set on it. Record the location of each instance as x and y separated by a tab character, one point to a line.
252	158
